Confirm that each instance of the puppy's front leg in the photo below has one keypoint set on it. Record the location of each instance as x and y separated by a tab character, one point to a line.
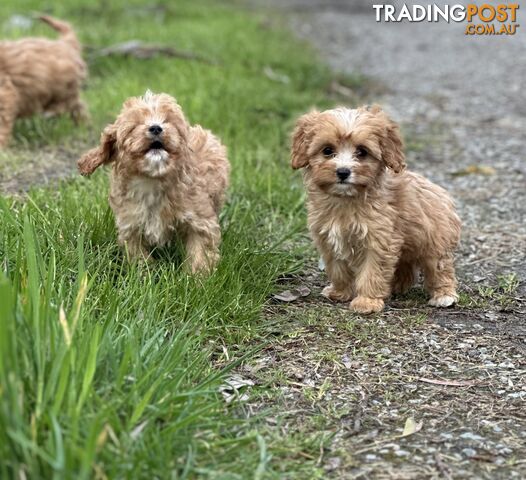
341	287
134	246
202	248
373	281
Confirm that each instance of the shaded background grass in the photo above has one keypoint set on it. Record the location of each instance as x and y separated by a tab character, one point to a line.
109	370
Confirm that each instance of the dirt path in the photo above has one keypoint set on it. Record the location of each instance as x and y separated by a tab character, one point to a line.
460	372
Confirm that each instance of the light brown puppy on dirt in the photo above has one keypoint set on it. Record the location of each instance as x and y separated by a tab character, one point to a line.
39	75
168	180
374	224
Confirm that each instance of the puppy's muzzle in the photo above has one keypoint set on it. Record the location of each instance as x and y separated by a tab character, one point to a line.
155	132
343	174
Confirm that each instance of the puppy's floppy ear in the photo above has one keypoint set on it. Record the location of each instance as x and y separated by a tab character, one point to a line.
393	149
301	139
391	142
100	155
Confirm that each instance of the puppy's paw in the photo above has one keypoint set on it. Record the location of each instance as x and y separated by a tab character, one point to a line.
336	295
136	253
202	265
367	305
443	301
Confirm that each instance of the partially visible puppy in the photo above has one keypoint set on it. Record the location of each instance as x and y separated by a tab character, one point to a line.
374	224
38	75
168	180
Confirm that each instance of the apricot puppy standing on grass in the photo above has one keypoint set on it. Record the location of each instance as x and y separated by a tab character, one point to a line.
168	180
39	75
374	224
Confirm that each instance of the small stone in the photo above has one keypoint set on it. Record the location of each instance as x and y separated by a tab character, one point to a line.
505	451
469	452
471	436
333	463
402	453
370	457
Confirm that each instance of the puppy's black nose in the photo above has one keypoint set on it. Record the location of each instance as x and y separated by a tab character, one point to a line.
155	129
343	173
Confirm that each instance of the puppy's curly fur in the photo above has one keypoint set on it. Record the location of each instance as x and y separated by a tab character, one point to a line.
168	179
374	224
38	75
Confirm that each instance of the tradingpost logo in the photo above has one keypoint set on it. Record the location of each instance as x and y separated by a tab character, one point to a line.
483	19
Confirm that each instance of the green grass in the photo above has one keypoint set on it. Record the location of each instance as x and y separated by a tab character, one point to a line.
501	294
112	371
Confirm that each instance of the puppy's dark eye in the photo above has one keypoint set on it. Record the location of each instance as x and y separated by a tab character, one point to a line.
360	152
328	151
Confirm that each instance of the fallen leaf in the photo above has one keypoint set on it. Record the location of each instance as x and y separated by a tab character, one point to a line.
231	389
304	291
475	169
451	383
237	381
292	295
411	427
341	90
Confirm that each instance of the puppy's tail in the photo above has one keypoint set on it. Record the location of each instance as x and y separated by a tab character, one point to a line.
67	34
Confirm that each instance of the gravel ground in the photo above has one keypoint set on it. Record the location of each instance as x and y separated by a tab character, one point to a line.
459	373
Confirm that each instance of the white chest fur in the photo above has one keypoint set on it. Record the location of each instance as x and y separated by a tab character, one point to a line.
146	201
346	240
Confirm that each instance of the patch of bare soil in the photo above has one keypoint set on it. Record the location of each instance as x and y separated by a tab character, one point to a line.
21	169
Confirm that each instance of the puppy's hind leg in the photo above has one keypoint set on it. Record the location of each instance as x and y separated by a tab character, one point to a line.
404	277
8	109
440	280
